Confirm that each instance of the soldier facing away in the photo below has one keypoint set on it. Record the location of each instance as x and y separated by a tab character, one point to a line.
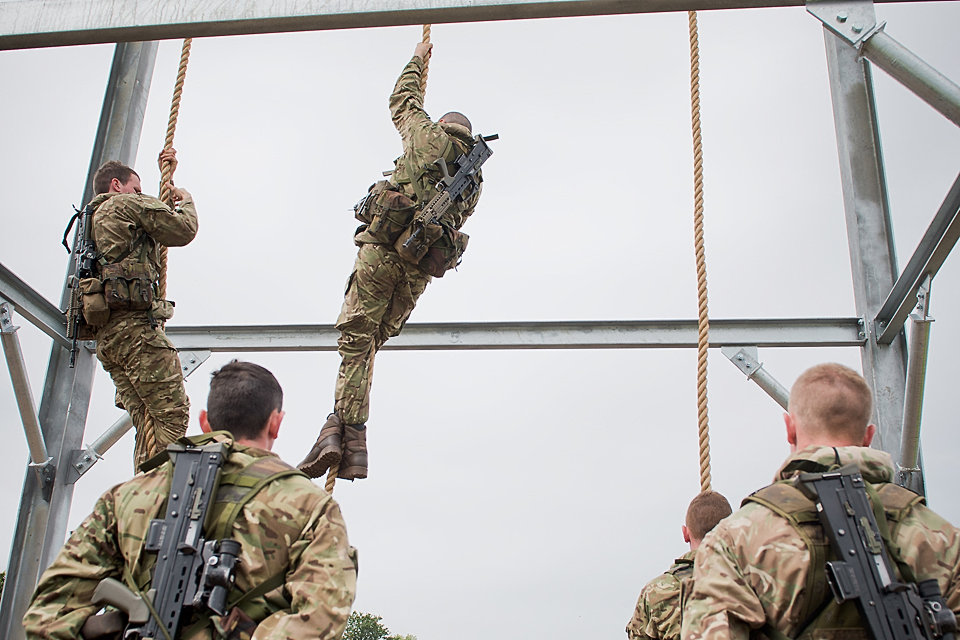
754	570
657	615
290	532
128	229
384	287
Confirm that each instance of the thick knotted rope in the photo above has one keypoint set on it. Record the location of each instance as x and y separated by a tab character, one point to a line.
703	322
332	477
426	61
166	171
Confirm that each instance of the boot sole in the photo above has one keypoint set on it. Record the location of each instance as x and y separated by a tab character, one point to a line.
352	473
327	458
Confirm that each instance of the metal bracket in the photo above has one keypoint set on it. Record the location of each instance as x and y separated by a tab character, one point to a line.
6	317
191	360
746	359
921	313
853	21
46	474
84	461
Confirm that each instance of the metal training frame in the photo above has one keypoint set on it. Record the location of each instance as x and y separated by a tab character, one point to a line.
884	296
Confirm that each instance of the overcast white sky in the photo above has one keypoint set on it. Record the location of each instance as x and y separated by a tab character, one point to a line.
527	493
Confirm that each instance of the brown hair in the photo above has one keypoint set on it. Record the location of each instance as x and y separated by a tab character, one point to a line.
242	397
110	170
455	117
832	400
704	512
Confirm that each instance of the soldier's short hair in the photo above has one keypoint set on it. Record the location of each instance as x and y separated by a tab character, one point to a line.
455	117
242	397
704	512
831	399
110	170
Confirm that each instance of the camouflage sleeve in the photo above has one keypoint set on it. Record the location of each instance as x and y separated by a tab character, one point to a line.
61	602
169	227
640	620
321	583
423	140
722	604
931	545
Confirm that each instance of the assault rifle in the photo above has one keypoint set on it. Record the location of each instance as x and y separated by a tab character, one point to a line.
86	259
452	190
191	573
863	573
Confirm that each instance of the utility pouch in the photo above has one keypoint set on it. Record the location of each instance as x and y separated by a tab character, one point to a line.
128	287
415	241
362	210
95	309
445	253
391	214
236	625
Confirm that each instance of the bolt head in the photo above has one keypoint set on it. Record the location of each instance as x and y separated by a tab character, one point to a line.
740	357
842	16
857	27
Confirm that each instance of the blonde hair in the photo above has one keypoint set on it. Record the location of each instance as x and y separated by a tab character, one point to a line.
832	400
704	512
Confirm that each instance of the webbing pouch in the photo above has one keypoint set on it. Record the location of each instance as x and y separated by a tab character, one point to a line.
127	287
96	312
416	240
391	214
445	253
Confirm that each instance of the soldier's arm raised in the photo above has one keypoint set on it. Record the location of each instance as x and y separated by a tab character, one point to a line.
170	227
62	601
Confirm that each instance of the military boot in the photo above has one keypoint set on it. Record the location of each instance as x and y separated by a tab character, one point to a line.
326	452
353	464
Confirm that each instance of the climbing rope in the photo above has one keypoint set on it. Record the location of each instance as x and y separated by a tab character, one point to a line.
426	61
332	477
166	171
703	321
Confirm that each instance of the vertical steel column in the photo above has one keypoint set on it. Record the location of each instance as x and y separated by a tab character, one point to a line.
42	524
869	234
916	380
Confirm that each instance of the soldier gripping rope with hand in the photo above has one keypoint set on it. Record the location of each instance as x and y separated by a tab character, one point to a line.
410	233
657	616
121	304
832	549
266	558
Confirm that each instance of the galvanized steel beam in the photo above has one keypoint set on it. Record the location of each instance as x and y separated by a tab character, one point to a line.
916	380
34	307
748	361
637	334
42	523
934	247
53	23
869	233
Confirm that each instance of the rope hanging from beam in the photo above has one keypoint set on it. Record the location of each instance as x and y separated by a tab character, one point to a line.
703	320
166	171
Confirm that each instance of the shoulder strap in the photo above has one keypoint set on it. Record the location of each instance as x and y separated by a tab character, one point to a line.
789	502
414	173
253	477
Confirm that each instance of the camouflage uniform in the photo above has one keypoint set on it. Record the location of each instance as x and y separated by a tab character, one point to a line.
753	567
131	345
660	603
291	526
383	288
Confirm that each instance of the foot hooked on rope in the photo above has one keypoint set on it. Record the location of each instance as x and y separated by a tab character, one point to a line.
327	450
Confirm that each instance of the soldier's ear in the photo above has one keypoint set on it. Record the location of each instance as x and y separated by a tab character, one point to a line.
868	436
273	423
204	423
791	425
686	533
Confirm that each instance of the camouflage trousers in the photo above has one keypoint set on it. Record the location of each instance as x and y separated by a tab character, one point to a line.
381	293
146	371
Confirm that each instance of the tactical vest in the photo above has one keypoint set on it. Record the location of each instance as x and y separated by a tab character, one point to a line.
424	180
682	570
821	617
236	489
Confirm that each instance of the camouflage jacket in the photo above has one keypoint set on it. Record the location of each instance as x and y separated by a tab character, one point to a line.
291	525
659	606
120	218
424	141
752	568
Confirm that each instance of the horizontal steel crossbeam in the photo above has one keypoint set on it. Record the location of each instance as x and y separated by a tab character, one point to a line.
54	23
937	242
635	334
34	307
